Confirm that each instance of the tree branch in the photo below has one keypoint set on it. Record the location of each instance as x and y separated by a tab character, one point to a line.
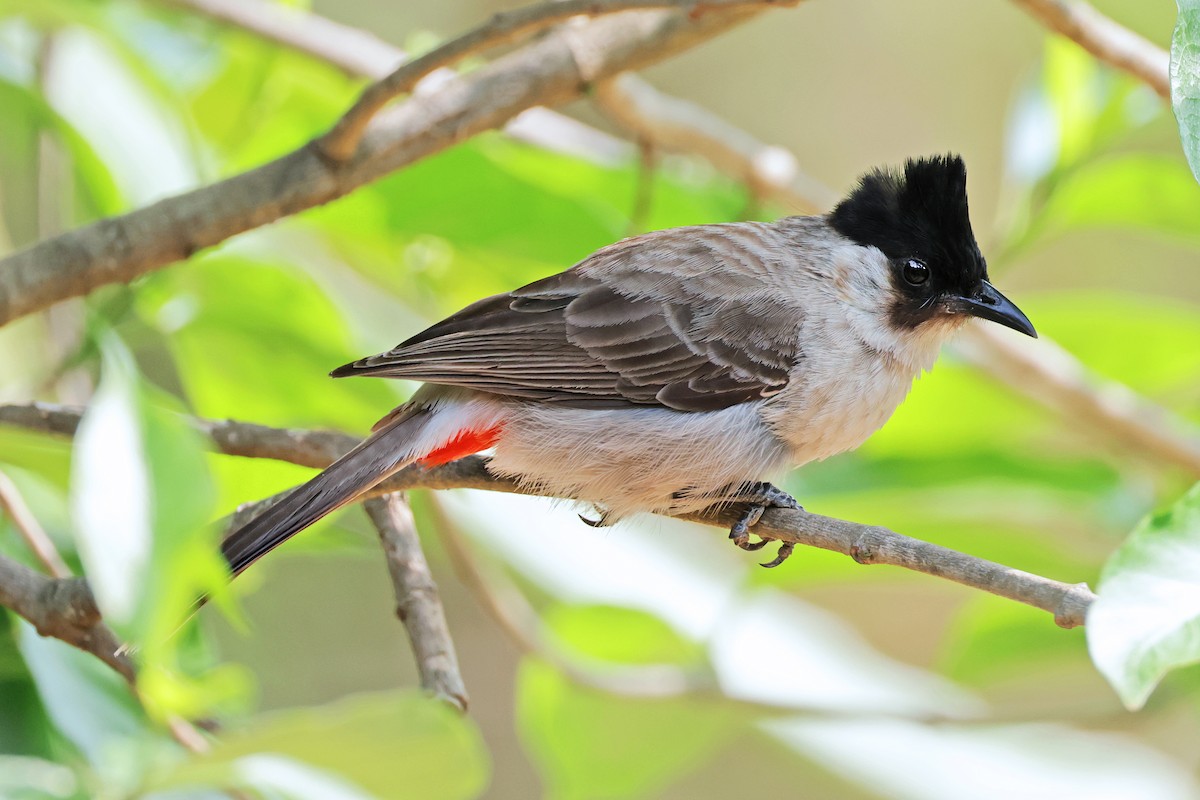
1105	39
359	53
341	142
552	70
513	614
64	609
867	544
670	123
30	529
417	602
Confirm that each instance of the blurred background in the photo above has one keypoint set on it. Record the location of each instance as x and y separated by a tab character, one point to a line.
818	679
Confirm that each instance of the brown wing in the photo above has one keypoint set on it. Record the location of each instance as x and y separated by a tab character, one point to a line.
679	318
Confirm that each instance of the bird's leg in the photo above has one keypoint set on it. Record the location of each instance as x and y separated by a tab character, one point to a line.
759	496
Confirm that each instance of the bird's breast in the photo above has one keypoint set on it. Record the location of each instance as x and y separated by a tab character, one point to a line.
837	399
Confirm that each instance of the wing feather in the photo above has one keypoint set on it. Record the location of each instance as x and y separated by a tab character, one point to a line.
682	319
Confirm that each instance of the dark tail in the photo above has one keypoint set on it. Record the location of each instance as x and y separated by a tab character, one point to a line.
386	452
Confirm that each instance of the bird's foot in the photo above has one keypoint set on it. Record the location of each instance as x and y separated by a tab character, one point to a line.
759	496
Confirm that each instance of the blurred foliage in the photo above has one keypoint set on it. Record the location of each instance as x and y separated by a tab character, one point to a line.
250	329
1185	80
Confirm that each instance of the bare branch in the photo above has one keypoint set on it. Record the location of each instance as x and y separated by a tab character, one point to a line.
867	544
554	69
873	544
30	529
514	615
417	602
64	609
670	123
1105	39
503	28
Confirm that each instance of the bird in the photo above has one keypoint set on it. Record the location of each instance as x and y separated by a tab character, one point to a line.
678	369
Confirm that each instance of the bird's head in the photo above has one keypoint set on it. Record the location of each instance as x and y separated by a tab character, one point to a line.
918	219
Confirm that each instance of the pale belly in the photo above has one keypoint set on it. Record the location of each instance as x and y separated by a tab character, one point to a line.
838	412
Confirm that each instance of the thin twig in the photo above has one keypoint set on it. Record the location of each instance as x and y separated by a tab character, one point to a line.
874	544
341	142
417	602
30	529
643	193
551	70
516	617
676	125
1105	39
64	609
867	544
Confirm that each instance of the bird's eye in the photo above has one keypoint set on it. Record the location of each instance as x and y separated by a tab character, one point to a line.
915	271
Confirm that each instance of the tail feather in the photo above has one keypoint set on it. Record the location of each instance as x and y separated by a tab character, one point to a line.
386	452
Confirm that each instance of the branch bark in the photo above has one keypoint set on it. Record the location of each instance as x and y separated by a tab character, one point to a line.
1105	39
30	529
867	544
361	54
503	28
64	609
417	602
552	70
673	124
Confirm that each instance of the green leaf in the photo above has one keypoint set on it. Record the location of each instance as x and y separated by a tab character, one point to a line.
587	743
592	744
257	340
1185	80
27	117
1146	621
87	702
111	494
400	745
621	635
1070	80
1150	192
995	641
24	777
142	498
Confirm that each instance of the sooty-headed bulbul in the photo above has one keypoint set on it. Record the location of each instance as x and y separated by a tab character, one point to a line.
675	370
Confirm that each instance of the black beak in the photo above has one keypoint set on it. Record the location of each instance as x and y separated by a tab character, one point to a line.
989	304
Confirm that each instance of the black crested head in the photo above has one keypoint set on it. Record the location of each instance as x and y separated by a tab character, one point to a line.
918	218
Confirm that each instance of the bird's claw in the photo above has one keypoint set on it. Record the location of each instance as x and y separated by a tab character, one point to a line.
740	532
785	550
760	496
594	523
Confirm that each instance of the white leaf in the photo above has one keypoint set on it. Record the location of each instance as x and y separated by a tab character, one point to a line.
110	491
